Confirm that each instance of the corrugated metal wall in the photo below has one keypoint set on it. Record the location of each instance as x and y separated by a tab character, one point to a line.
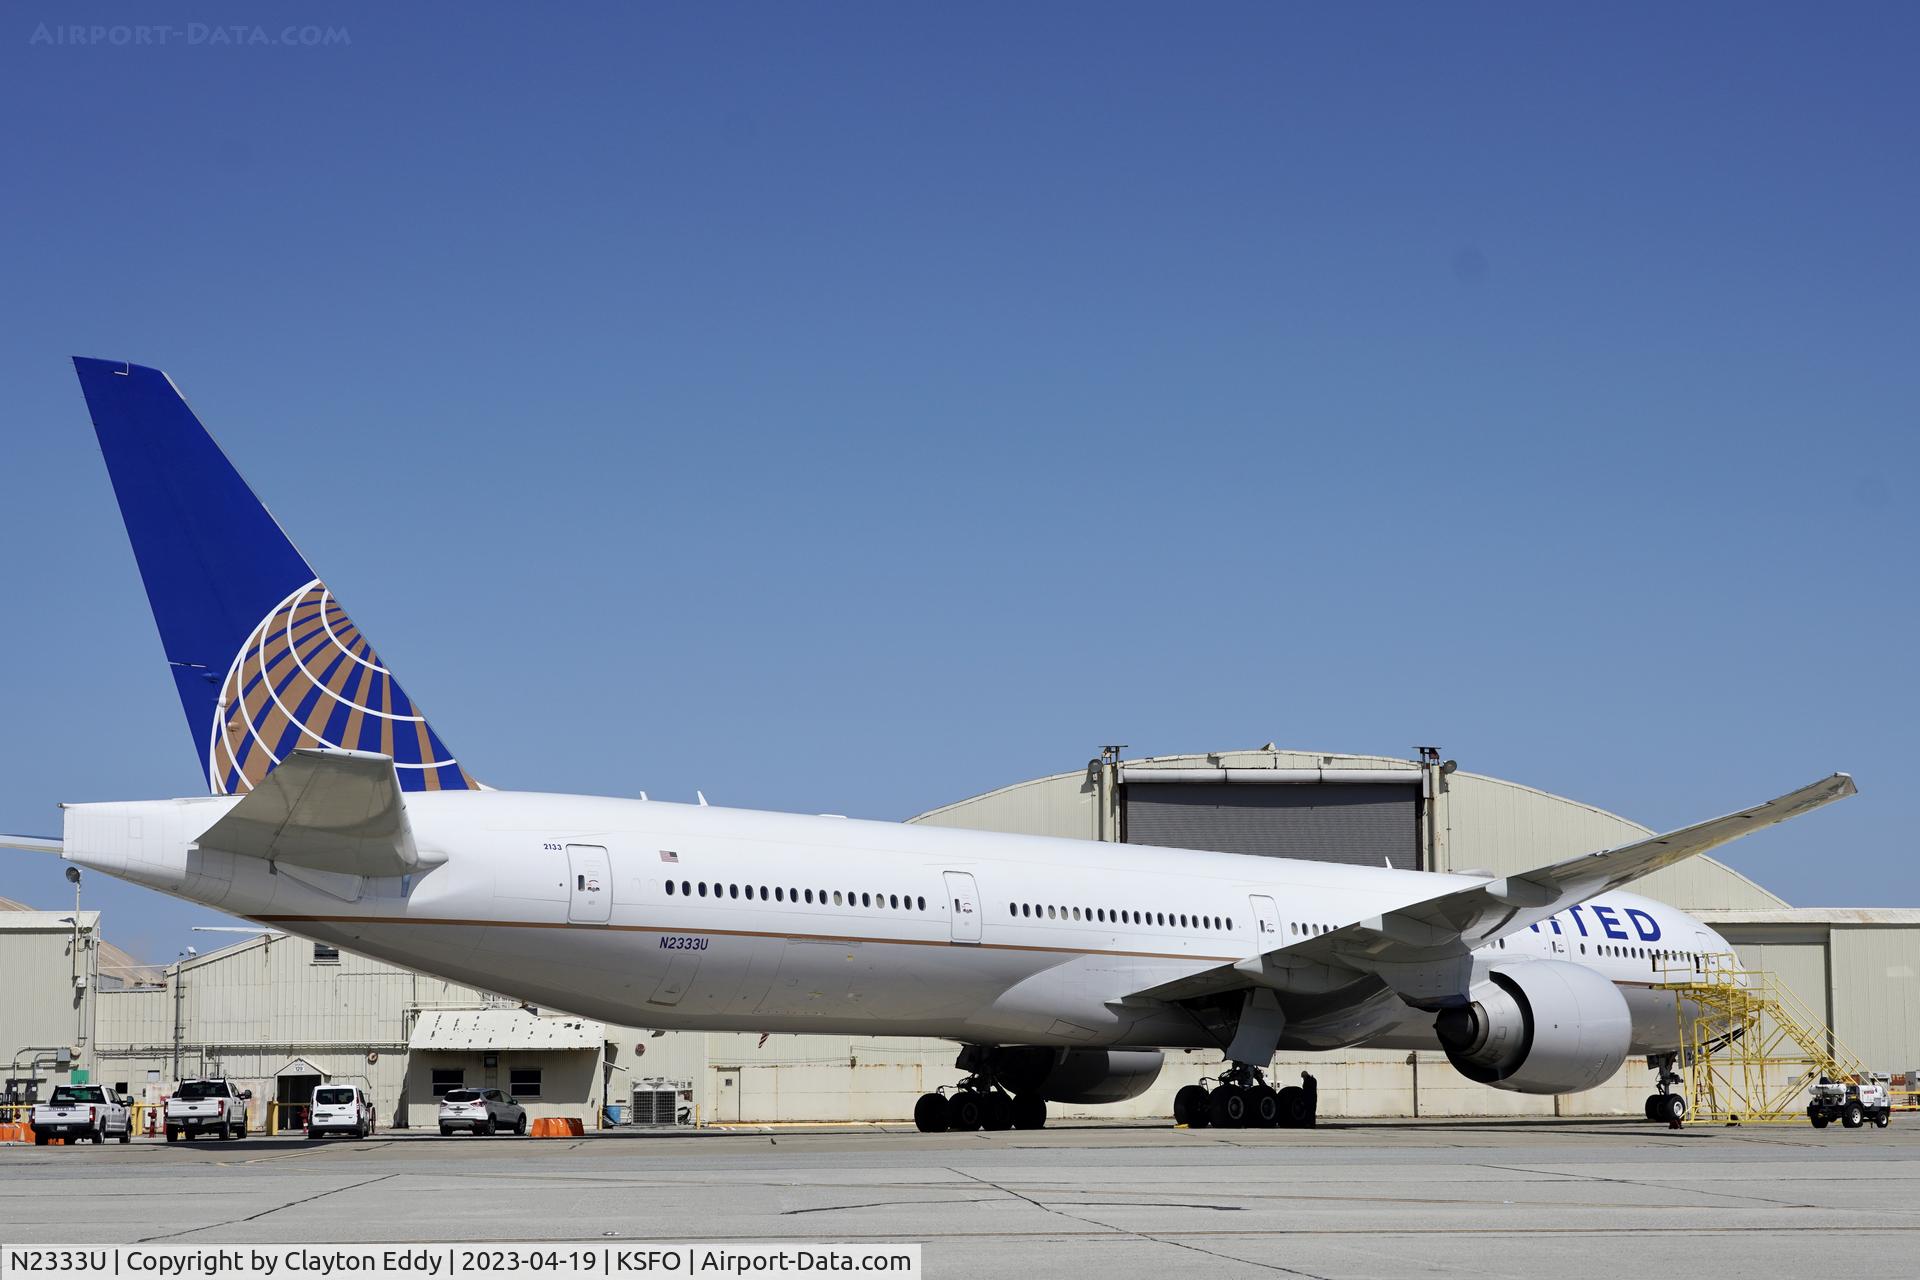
36	990
1876	994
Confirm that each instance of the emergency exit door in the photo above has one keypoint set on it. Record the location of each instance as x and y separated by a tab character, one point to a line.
963	901
1266	920
590	891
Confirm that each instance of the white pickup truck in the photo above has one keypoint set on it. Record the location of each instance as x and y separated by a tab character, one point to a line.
207	1106
77	1111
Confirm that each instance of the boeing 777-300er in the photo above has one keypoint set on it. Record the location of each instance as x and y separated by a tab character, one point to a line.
1062	968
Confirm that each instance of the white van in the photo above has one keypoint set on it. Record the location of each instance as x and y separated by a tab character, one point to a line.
340	1108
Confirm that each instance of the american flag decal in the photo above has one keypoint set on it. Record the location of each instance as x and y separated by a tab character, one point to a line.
668	855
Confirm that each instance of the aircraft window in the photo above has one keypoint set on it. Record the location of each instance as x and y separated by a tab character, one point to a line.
922	902
779	894
669	888
763	893
1160	917
893	900
809	897
837	901
866	900
733	891
1050	913
1583	948
1229	924
703	888
1183	922
1076	913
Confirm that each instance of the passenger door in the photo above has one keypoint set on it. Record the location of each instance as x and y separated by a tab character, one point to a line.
963	900
590	891
1266	921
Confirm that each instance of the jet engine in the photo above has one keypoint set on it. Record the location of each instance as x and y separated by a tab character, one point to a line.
1542	1026
1085	1076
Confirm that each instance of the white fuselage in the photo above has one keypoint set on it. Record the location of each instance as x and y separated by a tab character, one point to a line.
689	917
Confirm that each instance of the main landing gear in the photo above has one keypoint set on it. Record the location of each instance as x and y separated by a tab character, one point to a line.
977	1104
1244	1100
1666	1106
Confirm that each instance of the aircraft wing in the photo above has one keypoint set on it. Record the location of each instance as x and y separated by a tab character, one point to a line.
1435	931
327	810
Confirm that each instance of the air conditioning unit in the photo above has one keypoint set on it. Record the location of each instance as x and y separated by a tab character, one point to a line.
659	1103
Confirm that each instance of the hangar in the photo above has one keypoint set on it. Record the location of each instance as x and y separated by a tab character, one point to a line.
281	1013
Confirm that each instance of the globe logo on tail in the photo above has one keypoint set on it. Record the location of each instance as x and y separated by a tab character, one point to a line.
306	677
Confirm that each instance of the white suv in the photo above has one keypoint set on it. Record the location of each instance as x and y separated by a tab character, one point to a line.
481	1111
340	1108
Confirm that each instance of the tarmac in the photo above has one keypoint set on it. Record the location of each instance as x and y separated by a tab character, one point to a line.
1363	1199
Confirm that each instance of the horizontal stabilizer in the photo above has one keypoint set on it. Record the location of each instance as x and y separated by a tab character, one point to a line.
325	810
32	844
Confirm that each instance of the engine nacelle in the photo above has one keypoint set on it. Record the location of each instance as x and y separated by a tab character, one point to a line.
1540	1026
1086	1076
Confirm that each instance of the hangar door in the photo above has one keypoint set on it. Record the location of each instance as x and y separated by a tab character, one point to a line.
1369	824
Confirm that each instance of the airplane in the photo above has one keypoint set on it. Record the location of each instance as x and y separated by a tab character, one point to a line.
1064	969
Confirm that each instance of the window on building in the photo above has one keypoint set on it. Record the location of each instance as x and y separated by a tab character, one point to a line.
447	1079
325	954
523	1082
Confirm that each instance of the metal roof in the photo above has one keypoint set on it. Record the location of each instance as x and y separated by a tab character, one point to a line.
456	1029
1884	916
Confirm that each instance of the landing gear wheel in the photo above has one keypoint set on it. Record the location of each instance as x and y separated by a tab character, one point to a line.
1853	1116
1295	1111
1669	1107
1029	1111
1263	1107
1191	1108
1653	1100
930	1113
996	1110
1228	1107
963	1111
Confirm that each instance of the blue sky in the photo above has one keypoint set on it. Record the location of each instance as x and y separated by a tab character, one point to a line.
855	407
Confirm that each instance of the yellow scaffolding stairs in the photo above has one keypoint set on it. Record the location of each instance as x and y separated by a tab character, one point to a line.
1754	1047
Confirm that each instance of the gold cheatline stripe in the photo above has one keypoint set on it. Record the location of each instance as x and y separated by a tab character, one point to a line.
729	933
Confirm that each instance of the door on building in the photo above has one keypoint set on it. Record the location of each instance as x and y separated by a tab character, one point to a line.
295	1095
590	892
726	1098
1266	918
964	901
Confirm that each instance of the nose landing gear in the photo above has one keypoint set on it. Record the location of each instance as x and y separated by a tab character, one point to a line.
1665	1106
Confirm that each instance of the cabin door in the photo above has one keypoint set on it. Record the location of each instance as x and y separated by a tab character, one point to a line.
963	900
1266	920
590	891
